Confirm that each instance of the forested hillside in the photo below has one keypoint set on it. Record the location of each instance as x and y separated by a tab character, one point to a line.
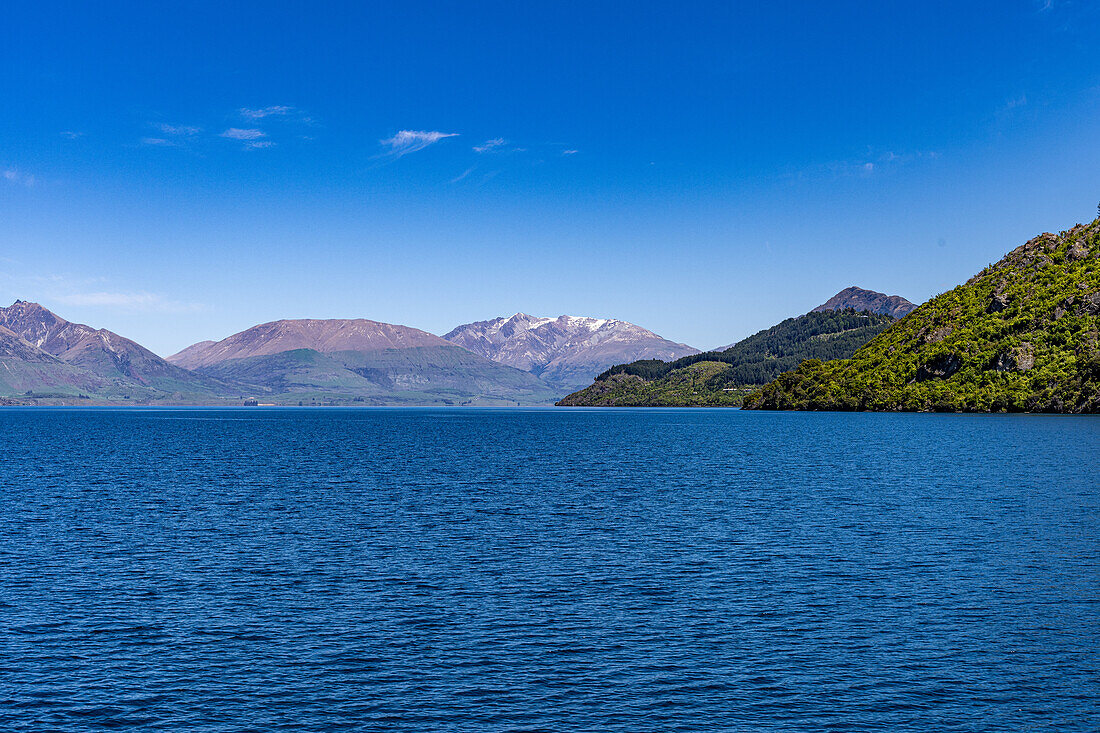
1021	336
720	377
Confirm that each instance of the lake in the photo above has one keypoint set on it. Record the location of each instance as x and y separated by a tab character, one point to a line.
547	570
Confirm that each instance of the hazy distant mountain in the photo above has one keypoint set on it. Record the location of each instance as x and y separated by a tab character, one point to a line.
867	300
362	361
566	352
105	363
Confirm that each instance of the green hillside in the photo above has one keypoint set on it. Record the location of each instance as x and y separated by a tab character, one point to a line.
1021	336
722	378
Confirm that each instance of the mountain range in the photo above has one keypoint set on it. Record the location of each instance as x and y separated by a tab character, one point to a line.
518	360
521	359
1023	335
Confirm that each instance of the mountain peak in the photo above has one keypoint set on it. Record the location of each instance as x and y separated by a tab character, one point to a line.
30	307
867	300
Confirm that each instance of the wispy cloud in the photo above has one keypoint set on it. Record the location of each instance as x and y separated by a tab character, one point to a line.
18	177
275	110
410	141
71	135
87	291
177	130
570	152
488	145
170	135
464	173
872	164
134	301
238	133
251	138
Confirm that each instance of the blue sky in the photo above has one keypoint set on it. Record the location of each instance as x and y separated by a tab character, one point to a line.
178	173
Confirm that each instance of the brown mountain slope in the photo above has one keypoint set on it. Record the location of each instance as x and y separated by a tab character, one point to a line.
325	336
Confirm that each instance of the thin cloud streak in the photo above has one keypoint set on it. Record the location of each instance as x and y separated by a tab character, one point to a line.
279	110
465	173
14	175
237	133
872	165
489	145
411	141
178	130
140	301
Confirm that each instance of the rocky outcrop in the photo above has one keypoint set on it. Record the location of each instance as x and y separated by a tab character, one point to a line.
940	367
1019	359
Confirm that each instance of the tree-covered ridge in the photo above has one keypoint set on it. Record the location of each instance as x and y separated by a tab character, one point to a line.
1021	336
760	357
720	378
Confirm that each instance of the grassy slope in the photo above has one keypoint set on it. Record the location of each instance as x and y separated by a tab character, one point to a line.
721	379
1022	335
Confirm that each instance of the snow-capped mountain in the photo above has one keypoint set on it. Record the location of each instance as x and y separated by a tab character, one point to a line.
567	351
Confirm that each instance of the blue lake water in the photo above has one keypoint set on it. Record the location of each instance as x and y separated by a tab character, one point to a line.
547	570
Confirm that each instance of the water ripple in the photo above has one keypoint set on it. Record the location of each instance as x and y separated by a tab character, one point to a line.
547	570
